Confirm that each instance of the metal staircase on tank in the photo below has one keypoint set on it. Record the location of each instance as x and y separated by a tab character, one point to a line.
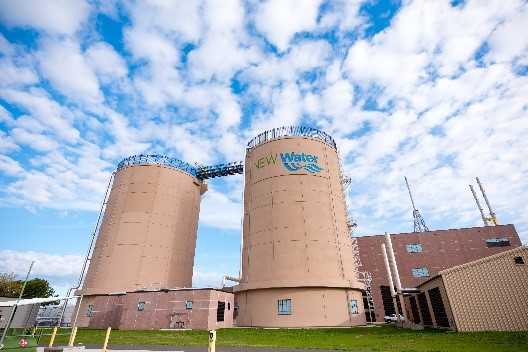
366	278
89	253
352	224
363	276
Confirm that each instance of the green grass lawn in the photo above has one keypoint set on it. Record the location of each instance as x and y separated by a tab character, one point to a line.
384	337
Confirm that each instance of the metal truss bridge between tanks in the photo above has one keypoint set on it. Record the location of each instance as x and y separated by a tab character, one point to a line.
200	172
207	172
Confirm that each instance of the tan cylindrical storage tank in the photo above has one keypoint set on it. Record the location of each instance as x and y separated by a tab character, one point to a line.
147	238
297	260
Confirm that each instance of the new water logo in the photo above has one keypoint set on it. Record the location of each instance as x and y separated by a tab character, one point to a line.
294	162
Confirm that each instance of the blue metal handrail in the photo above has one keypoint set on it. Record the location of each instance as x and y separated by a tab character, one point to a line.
158	160
285	131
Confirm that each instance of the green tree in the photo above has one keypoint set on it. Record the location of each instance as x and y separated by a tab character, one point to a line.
38	288
9	287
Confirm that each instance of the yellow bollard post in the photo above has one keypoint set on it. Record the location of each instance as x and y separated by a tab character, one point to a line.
106	339
72	337
52	337
212	341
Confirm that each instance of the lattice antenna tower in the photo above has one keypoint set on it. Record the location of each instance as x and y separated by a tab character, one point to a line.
419	223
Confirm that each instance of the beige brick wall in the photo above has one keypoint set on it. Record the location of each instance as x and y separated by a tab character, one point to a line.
490	294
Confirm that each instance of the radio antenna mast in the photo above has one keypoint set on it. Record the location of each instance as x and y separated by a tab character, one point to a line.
485	219
419	223
493	216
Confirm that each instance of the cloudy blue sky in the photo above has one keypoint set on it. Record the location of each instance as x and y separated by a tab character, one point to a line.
433	90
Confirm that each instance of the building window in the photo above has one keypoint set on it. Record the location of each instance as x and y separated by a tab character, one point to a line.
220	311
518	260
228	305
188	304
141	306
420	272
284	307
89	311
414	248
497	242
353	306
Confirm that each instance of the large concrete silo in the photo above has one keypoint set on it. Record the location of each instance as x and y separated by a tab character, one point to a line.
147	238
297	260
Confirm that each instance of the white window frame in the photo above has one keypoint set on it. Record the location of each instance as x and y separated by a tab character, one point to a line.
284	306
414	248
420	272
353	306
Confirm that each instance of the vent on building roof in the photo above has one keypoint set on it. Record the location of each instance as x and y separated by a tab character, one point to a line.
420	272
518	260
497	242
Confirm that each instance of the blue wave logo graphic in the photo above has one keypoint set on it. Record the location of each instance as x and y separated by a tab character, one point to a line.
313	168
295	162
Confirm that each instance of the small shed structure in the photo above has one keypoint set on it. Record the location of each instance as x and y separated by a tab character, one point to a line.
489	294
24	317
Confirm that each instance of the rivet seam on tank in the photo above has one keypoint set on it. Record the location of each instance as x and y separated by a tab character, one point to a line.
292	162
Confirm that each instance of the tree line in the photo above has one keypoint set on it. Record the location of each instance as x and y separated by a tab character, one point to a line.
35	288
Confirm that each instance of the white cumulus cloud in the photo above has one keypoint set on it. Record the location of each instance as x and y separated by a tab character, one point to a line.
57	16
281	20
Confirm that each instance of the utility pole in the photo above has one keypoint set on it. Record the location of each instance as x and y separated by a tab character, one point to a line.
15	306
419	223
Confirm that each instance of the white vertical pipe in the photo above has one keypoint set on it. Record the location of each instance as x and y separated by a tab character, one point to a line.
393	260
396	274
389	274
391	283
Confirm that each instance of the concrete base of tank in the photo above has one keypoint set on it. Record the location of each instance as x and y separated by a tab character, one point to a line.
308	307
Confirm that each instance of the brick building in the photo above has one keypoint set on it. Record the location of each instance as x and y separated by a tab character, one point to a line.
199	309
422	255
